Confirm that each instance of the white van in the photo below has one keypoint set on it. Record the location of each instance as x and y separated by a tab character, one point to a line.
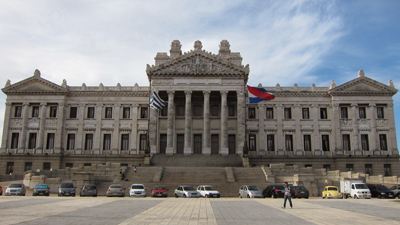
354	189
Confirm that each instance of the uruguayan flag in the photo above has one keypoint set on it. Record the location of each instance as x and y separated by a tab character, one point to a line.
156	102
259	94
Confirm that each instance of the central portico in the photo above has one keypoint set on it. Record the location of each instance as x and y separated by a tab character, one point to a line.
206	101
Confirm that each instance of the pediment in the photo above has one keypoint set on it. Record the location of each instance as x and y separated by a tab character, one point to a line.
198	63
34	85
363	86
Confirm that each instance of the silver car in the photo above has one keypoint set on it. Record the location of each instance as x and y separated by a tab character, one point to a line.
186	192
15	189
250	191
115	190
137	190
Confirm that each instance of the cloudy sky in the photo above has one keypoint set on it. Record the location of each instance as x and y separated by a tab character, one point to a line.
286	42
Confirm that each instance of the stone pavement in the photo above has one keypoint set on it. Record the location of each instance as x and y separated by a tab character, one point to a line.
103	210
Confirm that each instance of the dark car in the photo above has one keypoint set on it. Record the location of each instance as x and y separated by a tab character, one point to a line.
66	189
274	191
41	189
88	190
300	192
396	190
380	191
1	190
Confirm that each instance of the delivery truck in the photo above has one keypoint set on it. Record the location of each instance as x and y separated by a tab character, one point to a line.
354	189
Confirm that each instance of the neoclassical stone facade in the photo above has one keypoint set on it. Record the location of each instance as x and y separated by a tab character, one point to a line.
347	127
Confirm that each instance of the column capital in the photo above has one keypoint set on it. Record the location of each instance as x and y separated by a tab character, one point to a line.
25	104
206	92
372	105
43	104
188	93
354	104
171	92
8	103
223	93
240	94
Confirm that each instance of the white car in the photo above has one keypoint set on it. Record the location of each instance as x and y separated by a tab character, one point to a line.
137	190
186	192
208	191
250	191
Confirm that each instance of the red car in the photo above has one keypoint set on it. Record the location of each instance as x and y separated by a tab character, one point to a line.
159	191
1	190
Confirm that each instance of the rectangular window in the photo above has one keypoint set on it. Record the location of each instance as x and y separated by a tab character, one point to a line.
17	111
107	142
306	113
50	141
344	113
252	142
307	165
163	143
180	110
10	168
288	142
214	110
32	141
164	111
214	144
71	142
325	142
327	167
73	112
383	142
143	141
35	111
368	169
364	142
380	112
197	143
307	142
90	112
125	141
88	141
70	165
349	167
287	113
14	140
252	113
362	112
108	113
232	144
126	113
270	113
323	113
231	110
346	142
53	111
87	164
197	110
143	112
180	143
46	166
270	142
28	166
387	169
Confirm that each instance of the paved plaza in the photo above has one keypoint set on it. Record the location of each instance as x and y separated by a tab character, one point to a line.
103	210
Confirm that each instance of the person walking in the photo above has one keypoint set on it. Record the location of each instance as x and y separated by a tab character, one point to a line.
135	171
288	195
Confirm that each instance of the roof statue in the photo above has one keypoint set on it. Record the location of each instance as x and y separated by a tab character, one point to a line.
175	49
64	83
224	48
37	73
8	83
391	84
333	84
197	45
361	73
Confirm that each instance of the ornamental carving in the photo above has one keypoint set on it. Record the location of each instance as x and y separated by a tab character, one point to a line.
345	122
16	122
198	65
382	123
33	122
51	122
363	122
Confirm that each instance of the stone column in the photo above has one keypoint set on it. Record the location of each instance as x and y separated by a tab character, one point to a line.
373	138
170	129
188	123
115	132
224	123
355	139
262	138
316	136
43	110
241	122
206	124
79	136
60	129
22	144
153	130
6	141
336	128
280	139
298	136
133	138
392	140
97	133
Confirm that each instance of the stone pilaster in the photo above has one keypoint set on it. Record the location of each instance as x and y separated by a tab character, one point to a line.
206	124
356	136
60	128
279	117
133	138
392	140
262	138
115	132
6	141
97	133
170	129
373	137
224	123
241	122
316	136
79	135
188	123
336	128
298	136
153	130
22	144
43	109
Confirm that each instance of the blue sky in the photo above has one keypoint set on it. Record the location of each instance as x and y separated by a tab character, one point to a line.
285	42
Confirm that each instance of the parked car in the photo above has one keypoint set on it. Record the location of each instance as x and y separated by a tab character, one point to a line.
15	189
331	192
186	192
1	190
380	191
250	191
354	189
115	190
137	190
88	190
395	189
208	191
66	189
159	191
274	191
300	192
41	189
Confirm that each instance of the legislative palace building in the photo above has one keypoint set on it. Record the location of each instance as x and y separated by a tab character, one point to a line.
346	127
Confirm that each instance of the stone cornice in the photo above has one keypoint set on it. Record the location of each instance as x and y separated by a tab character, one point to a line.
108	93
17	88
343	90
